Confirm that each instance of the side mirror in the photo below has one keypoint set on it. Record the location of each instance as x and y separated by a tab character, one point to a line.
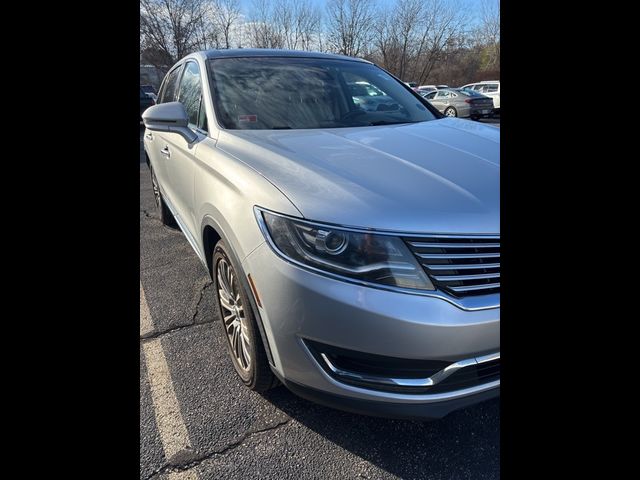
169	117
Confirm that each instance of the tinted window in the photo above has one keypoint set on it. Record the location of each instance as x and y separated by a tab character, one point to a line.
202	118
490	88
430	95
169	88
281	93
190	91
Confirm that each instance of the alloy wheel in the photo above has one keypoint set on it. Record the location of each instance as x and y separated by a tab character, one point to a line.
233	314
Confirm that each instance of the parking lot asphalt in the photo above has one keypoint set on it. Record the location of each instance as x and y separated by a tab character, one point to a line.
198	421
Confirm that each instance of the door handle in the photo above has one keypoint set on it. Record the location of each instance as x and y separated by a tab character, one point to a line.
149	136
165	151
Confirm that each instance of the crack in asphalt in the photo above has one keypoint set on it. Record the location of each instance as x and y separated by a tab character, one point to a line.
153	334
206	285
181	467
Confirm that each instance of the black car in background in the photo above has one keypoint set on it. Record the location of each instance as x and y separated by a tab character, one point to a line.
145	102
150	91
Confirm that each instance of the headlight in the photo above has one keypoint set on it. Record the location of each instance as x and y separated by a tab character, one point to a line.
368	257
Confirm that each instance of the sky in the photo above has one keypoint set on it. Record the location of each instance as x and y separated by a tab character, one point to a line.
473	7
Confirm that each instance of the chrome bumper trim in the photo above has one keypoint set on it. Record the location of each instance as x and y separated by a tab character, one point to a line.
411	382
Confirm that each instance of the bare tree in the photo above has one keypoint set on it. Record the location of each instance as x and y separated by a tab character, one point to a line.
170	29
297	21
489	31
208	32
308	22
408	20
444	23
349	26
385	42
226	16
417	40
261	27
414	36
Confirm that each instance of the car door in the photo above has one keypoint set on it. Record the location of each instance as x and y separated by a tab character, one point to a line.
180	154
455	101
155	141
441	100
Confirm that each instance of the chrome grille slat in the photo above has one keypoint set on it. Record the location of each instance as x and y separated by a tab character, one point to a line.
457	278
457	255
471	288
455	245
467	266
464	238
461	265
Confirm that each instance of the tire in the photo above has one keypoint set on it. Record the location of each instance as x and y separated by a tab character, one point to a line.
450	112
244	342
166	217
474	117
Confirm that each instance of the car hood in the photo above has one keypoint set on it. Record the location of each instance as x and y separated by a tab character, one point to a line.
441	176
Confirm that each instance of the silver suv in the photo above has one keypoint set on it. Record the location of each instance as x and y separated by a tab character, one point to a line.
355	253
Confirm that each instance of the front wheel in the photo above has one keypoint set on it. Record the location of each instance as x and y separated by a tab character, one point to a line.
243	338
451	112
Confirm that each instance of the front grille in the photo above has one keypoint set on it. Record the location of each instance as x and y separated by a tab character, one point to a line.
460	265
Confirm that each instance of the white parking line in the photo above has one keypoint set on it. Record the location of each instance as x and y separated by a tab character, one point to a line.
173	432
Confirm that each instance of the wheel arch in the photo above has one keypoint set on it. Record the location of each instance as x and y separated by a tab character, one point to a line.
211	235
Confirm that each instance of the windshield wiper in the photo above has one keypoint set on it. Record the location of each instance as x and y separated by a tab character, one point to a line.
281	127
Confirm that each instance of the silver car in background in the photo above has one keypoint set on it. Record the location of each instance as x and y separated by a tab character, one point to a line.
354	253
461	103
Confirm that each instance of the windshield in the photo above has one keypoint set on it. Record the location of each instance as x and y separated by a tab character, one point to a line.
300	93
147	89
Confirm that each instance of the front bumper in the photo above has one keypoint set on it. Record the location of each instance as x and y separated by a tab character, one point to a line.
417	411
300	305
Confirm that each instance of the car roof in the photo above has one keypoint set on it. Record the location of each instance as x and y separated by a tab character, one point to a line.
480	83
268	52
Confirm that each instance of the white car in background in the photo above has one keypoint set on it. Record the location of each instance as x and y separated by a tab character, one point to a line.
490	88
